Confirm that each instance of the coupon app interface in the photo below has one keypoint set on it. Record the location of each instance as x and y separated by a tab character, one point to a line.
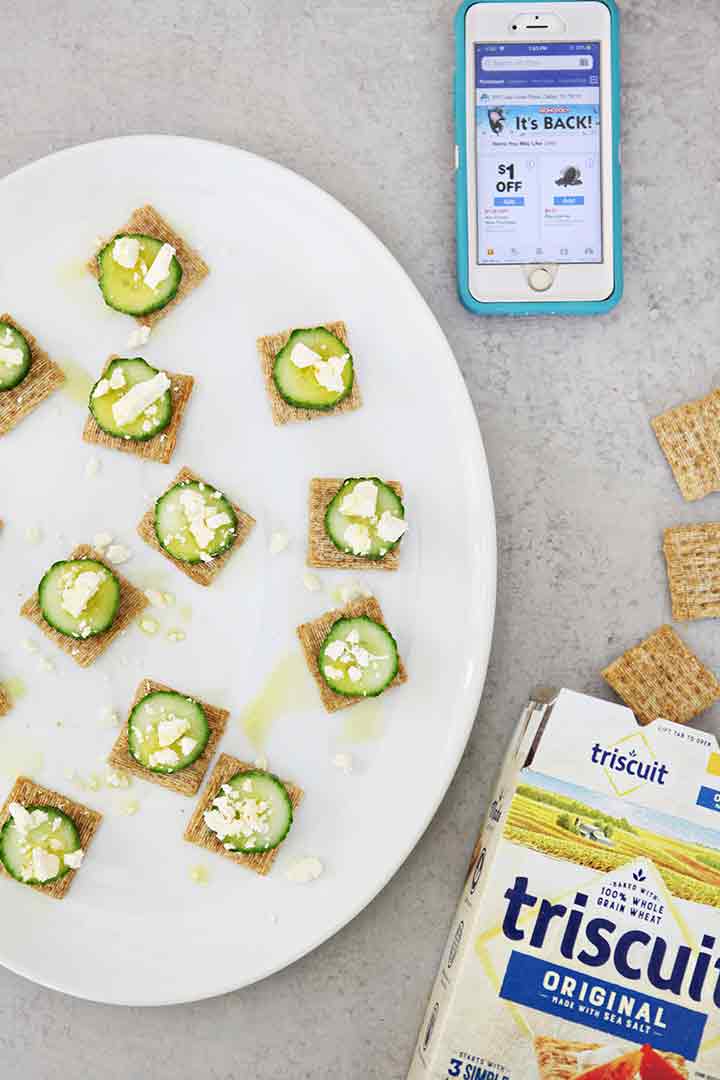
539	184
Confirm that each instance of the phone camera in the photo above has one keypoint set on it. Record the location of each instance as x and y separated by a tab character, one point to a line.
514	26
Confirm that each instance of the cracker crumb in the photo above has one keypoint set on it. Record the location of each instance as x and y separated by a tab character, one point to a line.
118	554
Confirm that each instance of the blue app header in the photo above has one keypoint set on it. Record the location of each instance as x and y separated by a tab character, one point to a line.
551	65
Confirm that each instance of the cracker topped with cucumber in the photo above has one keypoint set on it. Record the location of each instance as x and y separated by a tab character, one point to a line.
169	738
137	408
196	526
357	523
146	267
309	372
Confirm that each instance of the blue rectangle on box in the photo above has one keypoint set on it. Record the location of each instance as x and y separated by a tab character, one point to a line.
569	200
509	200
626	1012
709	798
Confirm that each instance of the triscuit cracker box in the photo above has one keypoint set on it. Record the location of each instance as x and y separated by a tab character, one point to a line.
586	945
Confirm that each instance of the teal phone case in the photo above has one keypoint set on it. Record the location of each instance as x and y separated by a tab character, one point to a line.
577	307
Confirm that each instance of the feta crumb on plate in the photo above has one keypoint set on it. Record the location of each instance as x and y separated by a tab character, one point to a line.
303	870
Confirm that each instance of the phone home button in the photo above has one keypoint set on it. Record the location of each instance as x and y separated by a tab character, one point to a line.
540	279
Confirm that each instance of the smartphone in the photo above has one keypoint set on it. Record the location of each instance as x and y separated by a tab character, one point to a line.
537	95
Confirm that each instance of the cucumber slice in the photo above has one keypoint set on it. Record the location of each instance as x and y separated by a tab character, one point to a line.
167	731
300	385
358	658
33	848
194	522
77	605
14	357
251	813
371	534
118	379
123	287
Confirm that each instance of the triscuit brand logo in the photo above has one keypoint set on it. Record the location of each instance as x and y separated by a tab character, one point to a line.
630	757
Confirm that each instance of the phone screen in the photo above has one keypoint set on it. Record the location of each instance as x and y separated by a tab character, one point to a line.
539	181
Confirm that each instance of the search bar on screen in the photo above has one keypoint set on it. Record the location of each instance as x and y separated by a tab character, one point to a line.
538	63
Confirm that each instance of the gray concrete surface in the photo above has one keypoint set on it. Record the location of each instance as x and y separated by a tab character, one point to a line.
356	95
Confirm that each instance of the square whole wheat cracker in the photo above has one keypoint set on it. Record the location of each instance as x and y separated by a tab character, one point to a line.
194	268
283	413
44	377
692	556
321	550
188	780
198	833
559	1059
689	437
201	573
661	677
28	793
85	651
162	446
5	702
312	635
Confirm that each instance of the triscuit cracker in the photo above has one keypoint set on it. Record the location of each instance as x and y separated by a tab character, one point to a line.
162	446
44	377
313	634
188	780
558	1059
283	413
202	573
28	793
661	677
692	555
5	702
132	602
321	550
197	831
692	447
147	220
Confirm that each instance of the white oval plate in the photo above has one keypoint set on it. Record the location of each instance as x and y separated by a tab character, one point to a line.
134	928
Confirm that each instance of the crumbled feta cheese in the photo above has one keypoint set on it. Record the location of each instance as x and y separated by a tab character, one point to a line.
187	745
361	501
163	757
304	357
333	672
149	626
139	336
130	807
216	521
311	582
301	871
143	394
329	373
77	595
195	508
92	468
74	858
353	637
22	819
355	674
358	539
344	762
160	267
391	528
101	541
45	865
279	541
29	645
11	356
261	762
335	649
118	554
117	379
170	730
247	785
126	251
